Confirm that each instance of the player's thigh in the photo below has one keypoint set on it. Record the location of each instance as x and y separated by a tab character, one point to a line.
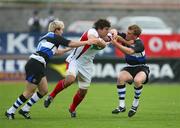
72	69
140	77
124	76
71	73
83	81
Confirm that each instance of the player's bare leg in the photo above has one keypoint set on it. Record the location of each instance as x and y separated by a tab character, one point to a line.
138	80
121	89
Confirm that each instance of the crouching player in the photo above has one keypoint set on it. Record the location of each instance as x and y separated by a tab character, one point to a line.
136	70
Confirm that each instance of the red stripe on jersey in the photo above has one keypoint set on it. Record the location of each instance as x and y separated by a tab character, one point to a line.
67	65
84	37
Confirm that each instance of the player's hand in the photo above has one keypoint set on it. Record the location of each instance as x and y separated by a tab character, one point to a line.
119	38
114	41
108	37
59	52
114	32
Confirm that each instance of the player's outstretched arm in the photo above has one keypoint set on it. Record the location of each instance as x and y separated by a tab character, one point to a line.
62	51
100	42
120	39
82	43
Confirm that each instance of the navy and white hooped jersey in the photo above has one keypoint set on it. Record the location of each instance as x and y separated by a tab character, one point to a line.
139	57
47	46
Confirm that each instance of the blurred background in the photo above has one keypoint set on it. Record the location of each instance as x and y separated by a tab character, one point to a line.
22	22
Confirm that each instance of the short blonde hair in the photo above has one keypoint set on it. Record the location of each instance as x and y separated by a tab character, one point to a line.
55	24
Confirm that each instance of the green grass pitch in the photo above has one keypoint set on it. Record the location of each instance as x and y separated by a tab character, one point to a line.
159	108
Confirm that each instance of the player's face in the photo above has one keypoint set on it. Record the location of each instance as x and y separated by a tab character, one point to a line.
130	35
59	31
103	32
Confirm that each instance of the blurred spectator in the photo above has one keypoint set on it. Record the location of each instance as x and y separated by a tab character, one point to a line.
34	22
49	19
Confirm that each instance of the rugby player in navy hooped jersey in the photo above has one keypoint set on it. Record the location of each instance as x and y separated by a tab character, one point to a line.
80	65
36	66
136	70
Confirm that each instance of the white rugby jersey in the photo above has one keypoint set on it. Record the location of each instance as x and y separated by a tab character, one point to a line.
84	55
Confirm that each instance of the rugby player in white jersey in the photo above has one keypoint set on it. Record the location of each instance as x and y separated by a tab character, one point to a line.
36	67
80	65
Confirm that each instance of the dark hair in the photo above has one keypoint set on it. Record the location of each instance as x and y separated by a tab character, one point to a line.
102	23
137	30
35	12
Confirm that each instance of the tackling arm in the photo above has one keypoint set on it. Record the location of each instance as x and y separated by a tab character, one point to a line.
82	43
121	39
122	48
101	43
62	51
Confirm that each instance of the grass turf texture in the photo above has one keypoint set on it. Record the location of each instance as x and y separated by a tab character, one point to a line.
159	108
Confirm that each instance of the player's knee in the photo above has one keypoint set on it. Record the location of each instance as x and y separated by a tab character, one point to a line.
28	94
43	92
121	80
69	81
137	81
83	92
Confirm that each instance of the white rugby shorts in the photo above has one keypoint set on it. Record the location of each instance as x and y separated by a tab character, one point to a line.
82	72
